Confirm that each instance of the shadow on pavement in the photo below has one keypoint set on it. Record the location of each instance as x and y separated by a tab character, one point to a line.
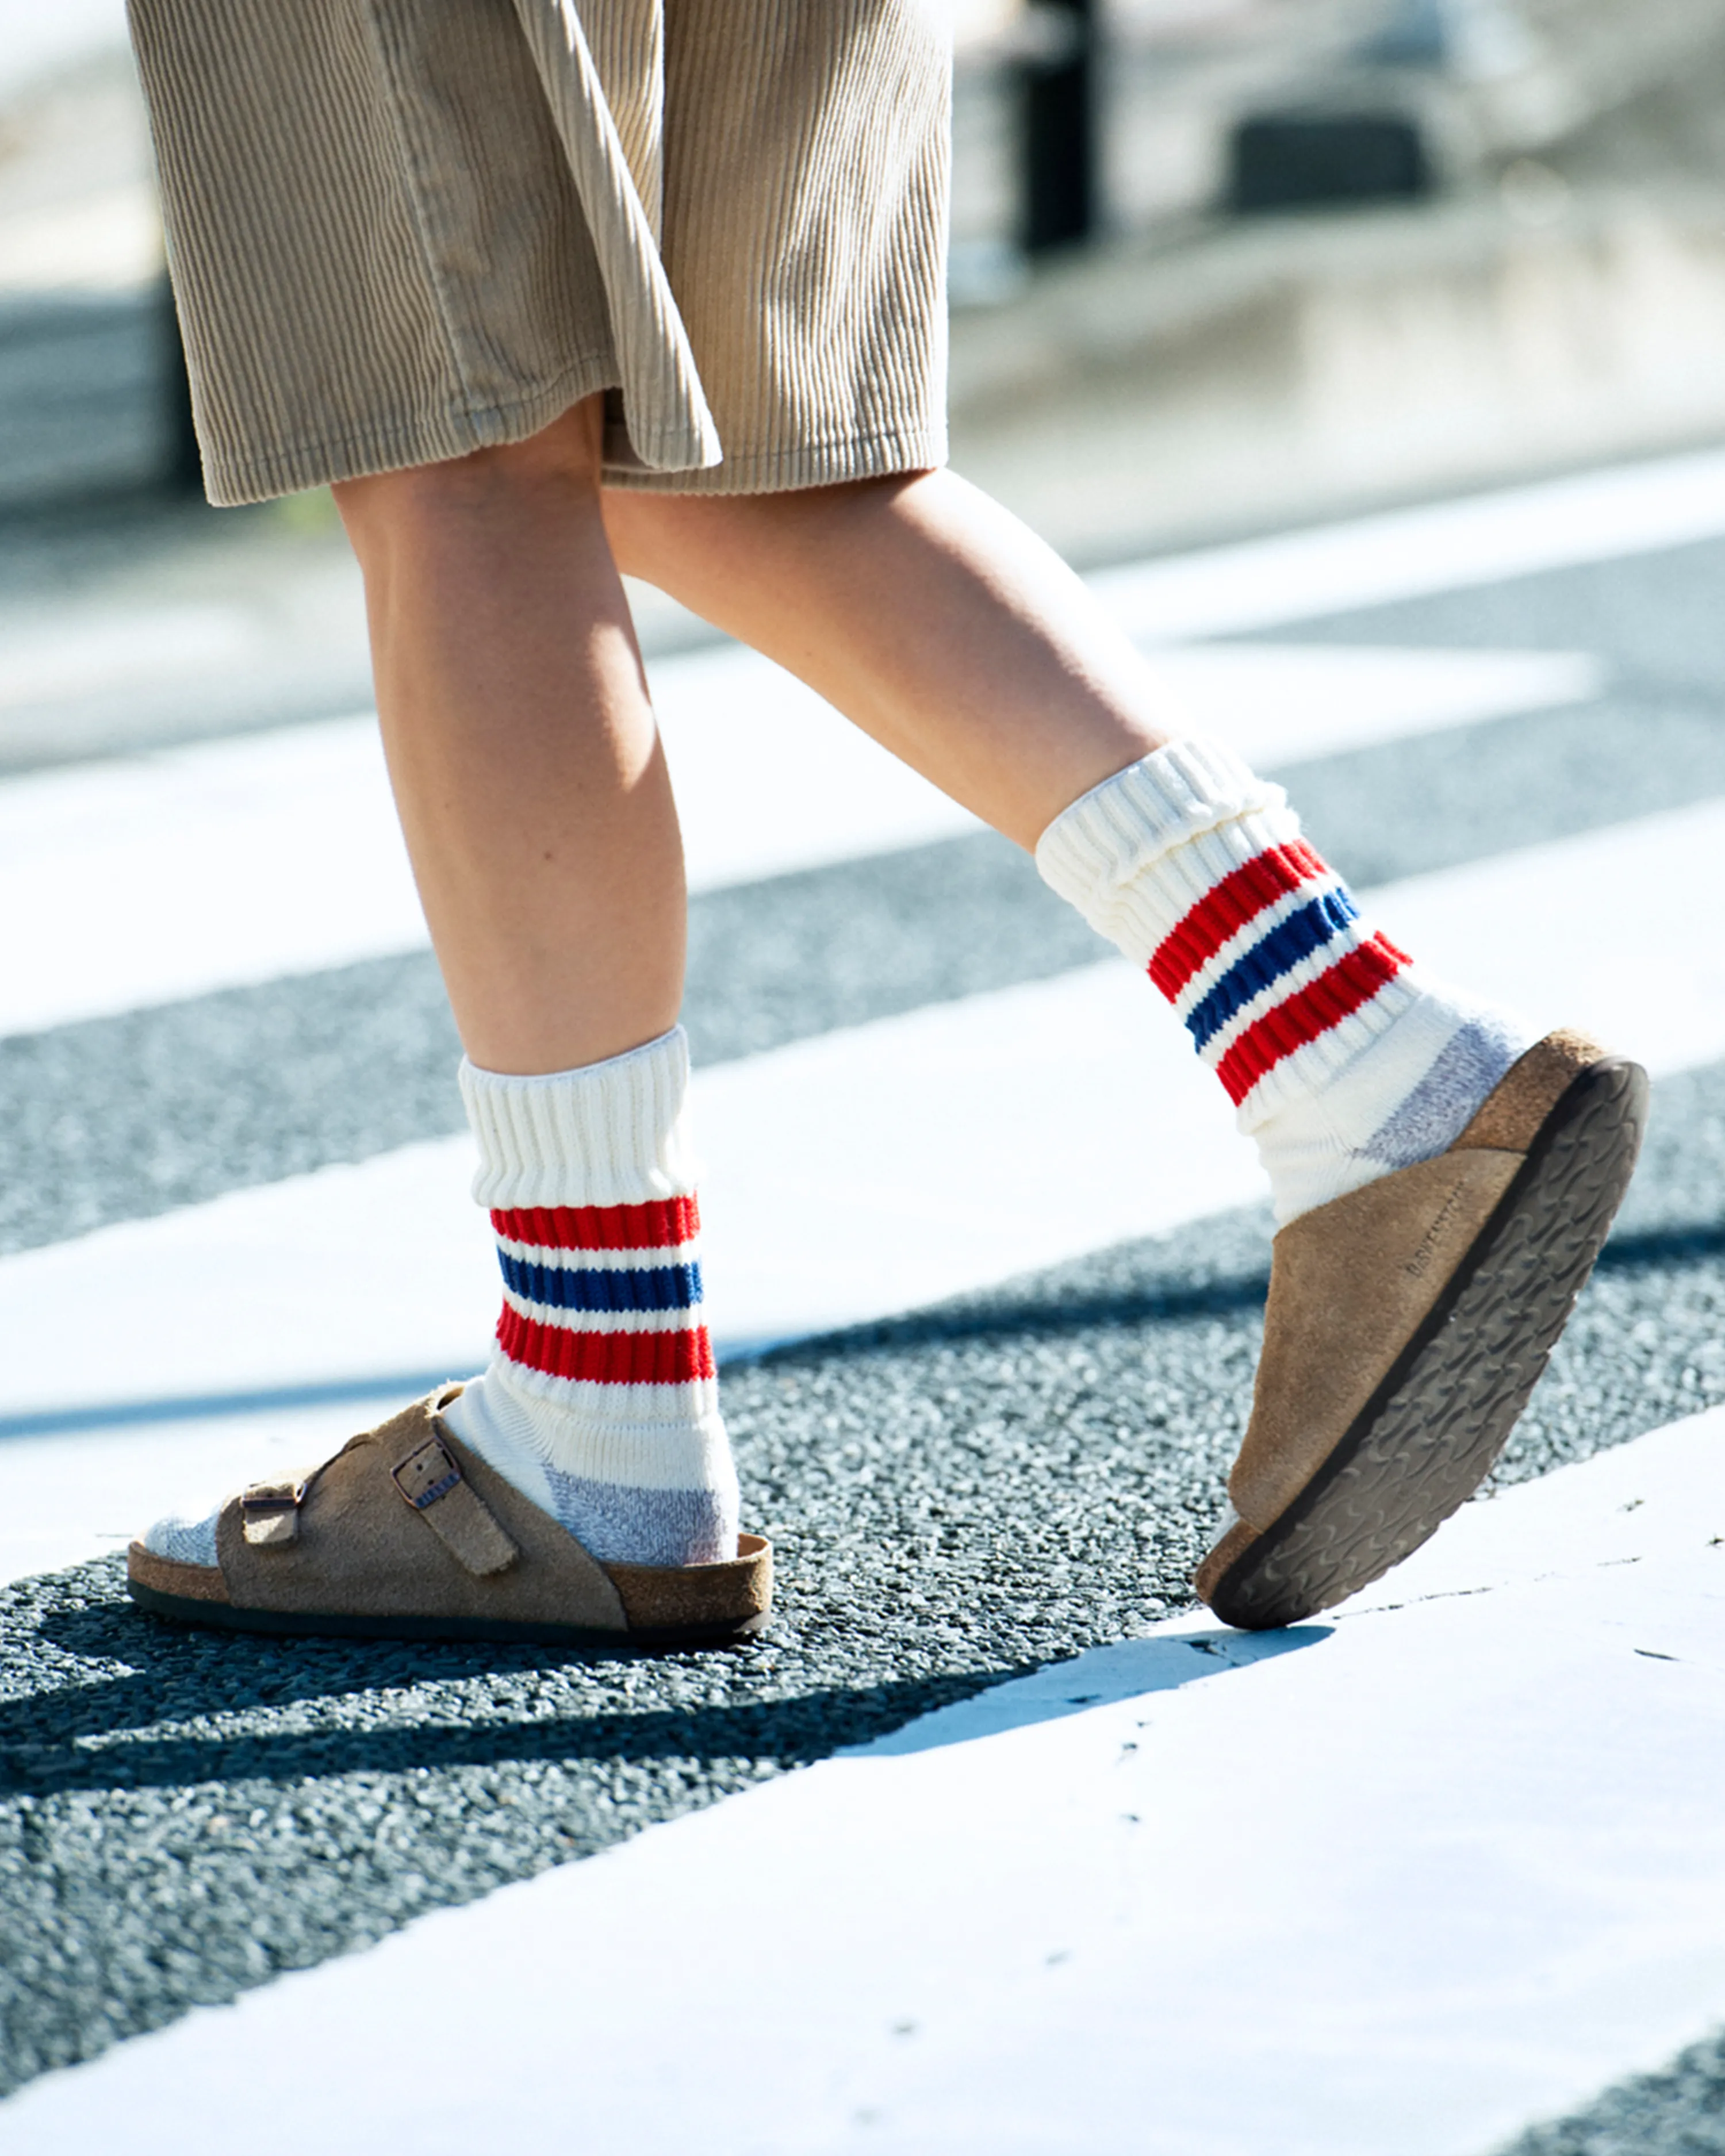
130	1732
159	1725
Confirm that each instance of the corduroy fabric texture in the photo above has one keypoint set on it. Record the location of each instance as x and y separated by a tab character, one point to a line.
403	230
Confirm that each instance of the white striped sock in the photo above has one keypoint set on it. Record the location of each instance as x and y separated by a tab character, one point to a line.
1343	1060
600	1401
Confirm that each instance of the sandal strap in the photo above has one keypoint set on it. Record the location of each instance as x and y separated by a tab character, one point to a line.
354	1546
430	1481
270	1512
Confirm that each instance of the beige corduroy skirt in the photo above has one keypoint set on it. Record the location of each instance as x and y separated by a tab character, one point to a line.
401	230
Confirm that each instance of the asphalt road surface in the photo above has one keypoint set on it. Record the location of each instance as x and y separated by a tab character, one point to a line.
960	1494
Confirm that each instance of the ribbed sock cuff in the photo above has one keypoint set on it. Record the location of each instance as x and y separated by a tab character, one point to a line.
1096	854
611	1133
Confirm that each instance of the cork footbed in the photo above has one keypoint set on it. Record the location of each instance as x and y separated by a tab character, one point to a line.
465	1557
1408	1323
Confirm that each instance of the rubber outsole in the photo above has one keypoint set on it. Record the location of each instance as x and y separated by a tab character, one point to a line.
586	1639
1432	1431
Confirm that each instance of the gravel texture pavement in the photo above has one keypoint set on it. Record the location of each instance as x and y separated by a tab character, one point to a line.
956	1495
1679	2111
119	1118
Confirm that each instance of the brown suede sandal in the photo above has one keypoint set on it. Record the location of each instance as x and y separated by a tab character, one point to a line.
1407	1324
406	1535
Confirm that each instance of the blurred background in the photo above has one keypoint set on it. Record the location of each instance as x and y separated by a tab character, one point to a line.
1219	266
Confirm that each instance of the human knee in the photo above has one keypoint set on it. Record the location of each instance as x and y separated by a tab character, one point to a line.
662	537
641	528
559	466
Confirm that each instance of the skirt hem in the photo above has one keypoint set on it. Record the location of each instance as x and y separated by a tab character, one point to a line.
922	448
446	437
437	437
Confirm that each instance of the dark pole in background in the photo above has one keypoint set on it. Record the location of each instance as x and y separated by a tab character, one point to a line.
183	462
1058	91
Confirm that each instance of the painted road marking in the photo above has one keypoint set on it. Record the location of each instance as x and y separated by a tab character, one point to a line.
151	878
1409	553
1452	1860
939	1152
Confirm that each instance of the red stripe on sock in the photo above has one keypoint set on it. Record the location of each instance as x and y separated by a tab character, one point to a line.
1310	1011
1241	895
607	1359
659	1224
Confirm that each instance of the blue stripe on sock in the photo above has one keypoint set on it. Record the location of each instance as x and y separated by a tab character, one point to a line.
1308	929
638	1287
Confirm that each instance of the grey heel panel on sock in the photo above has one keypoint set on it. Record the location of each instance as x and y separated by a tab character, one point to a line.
622	1523
1430	1119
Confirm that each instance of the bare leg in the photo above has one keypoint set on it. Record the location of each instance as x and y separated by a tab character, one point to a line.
538	814
929	616
531	786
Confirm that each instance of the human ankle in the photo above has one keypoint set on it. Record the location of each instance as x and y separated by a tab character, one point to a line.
1342	1059
635	1493
601	1400
1407	1098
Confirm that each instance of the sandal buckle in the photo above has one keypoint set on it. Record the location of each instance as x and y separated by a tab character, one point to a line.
432	1482
270	1514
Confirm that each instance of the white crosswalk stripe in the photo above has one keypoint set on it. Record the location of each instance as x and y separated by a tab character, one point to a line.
1408	553
1087	1855
863	1172
1013	1927
239	862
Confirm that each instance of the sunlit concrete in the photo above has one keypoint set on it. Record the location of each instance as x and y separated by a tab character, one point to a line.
241	860
1401	1879
868	1171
